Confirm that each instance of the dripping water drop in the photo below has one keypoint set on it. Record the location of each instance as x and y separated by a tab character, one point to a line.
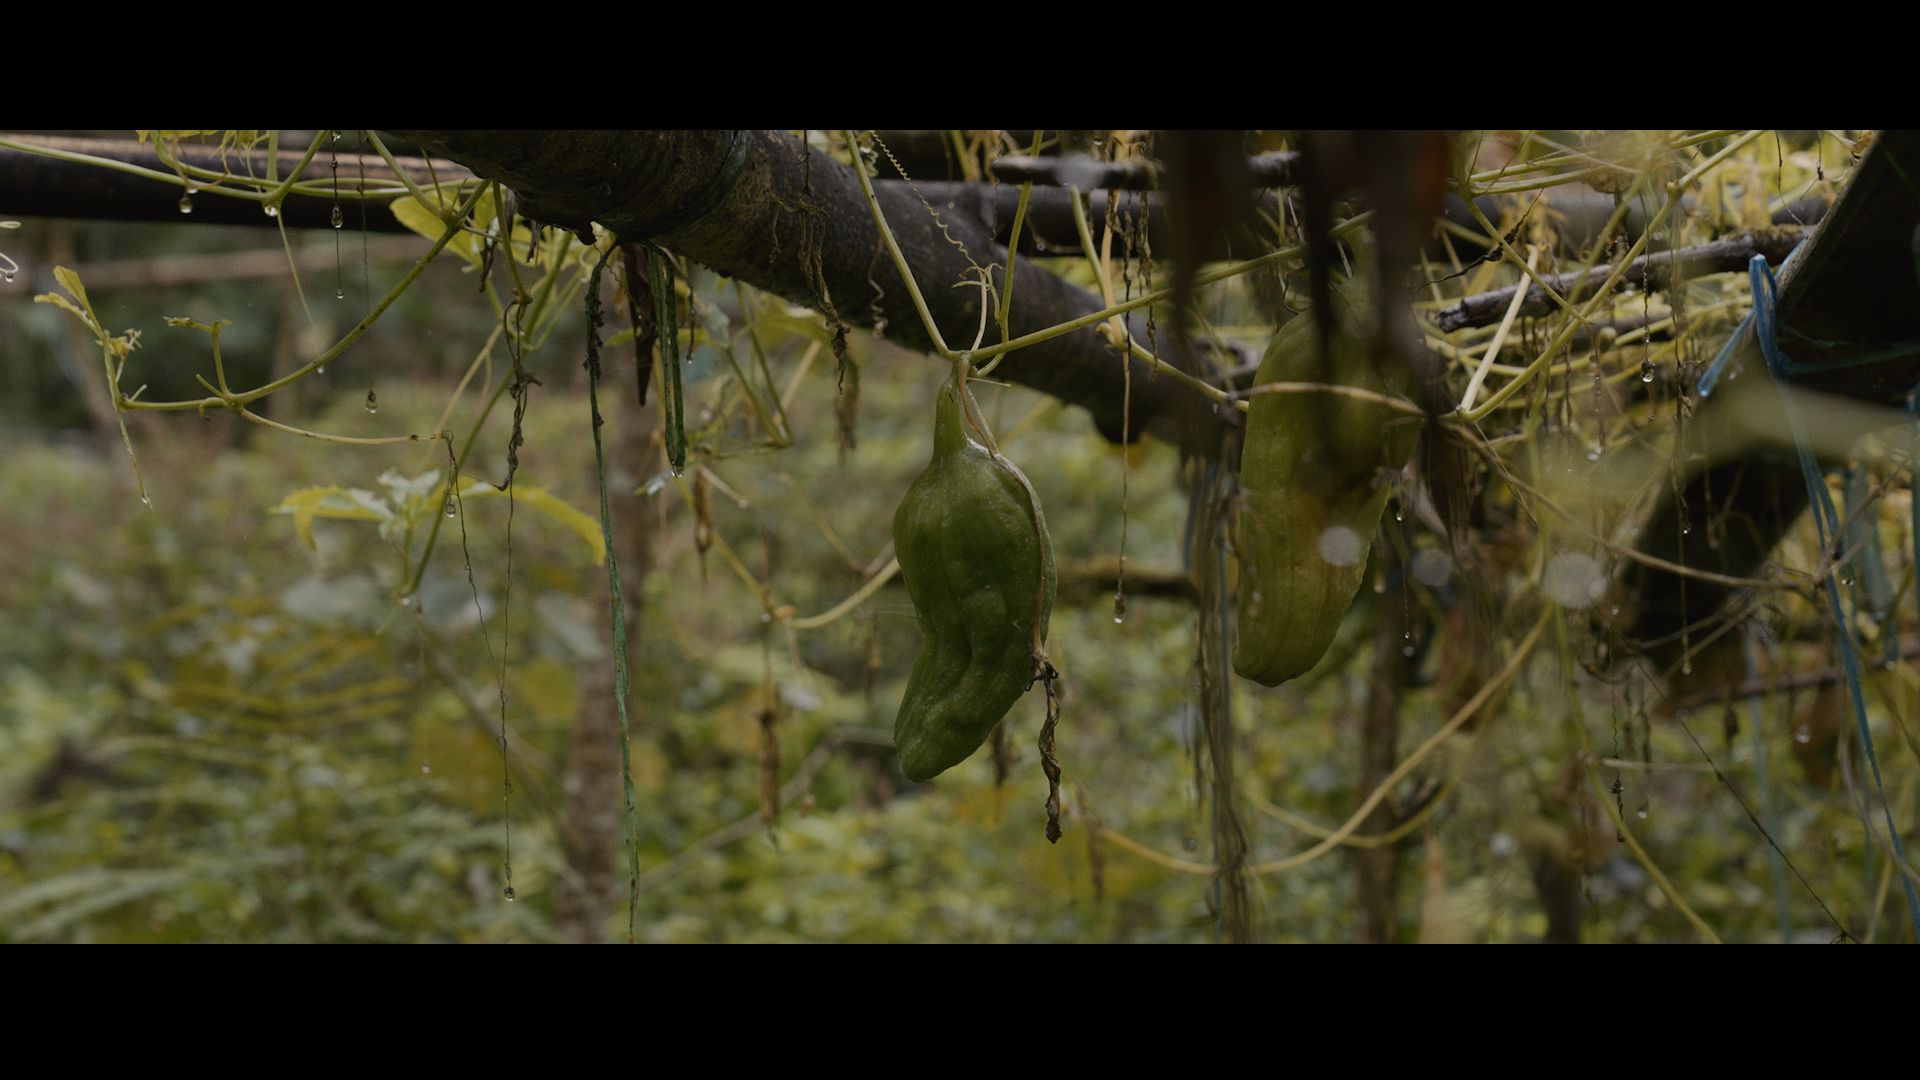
321	370
1802	736
373	402
426	769
272	209
1641	813
1686	667
1647	371
339	219
186	203
339	294
452	508
1120	608
1399	512
509	895
146	500
7	276
407	600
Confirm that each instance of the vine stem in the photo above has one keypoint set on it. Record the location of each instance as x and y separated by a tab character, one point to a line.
1674	191
346	341
1588	760
1341	835
1061	329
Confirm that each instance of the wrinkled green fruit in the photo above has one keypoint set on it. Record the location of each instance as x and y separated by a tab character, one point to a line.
974	550
1316	470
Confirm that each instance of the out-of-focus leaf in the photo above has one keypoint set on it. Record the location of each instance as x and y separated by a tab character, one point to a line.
546	502
334	502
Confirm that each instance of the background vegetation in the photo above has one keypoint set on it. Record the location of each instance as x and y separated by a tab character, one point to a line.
212	729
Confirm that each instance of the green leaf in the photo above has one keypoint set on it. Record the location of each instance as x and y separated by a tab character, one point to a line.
70	281
546	502
426	221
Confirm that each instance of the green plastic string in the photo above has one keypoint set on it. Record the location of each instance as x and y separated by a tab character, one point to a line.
631	824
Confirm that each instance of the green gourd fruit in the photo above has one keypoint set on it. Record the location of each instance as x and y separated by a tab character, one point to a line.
978	563
1316	472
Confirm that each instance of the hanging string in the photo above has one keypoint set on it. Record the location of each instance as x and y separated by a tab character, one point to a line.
1826	520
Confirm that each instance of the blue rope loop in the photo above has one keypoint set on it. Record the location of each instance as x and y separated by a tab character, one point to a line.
1766	326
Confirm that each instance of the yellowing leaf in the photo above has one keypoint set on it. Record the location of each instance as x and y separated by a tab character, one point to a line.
546	502
173	135
426	221
338	503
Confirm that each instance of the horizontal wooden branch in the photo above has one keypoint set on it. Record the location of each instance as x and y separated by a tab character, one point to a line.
1276	168
1725	255
764	207
34	185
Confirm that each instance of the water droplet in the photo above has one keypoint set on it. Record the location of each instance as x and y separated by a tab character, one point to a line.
321	370
1594	454
1686	667
407	600
1399	512
271	209
1341	546
1641	813
452	507
510	895
1574	580
1802	736
186	203
373	402
425	769
1686	528
339	294
146	499
6	276
1079	171
1647	371
1432	567
1120	607
679	470
339	219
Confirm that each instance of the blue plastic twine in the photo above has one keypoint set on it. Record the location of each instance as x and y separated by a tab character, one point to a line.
1765	323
